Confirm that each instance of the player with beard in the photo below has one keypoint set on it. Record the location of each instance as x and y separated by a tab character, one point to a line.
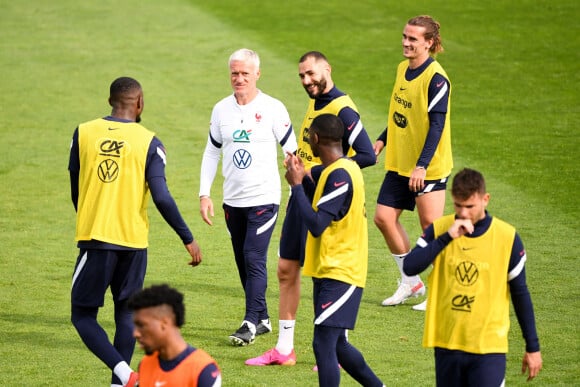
325	98
478	265
336	254
417	143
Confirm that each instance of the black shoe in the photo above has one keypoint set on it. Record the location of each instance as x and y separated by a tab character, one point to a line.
243	336
263	327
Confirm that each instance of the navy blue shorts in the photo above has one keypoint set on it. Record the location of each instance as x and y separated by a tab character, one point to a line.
96	270
395	191
336	303
294	231
458	368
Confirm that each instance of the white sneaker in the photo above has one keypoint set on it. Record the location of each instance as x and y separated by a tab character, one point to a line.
404	292
420	307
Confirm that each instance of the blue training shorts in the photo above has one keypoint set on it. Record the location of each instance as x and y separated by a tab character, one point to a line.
457	368
395	191
294	231
96	270
336	303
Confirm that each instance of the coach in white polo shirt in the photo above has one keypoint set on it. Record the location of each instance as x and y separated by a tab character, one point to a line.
246	128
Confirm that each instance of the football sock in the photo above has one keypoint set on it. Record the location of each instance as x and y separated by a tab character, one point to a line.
353	362
124	341
94	336
411	280
325	351
123	371
285	343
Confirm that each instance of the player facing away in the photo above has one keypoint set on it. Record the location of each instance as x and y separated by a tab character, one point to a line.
247	127
325	98
336	255
158	315
418	156
478	263
115	165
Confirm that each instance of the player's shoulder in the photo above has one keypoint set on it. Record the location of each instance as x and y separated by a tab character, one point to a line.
157	150
339	174
156	142
271	101
94	121
225	103
439	77
438	71
503	226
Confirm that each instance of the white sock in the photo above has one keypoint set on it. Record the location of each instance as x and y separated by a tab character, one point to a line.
412	280
285	343
123	371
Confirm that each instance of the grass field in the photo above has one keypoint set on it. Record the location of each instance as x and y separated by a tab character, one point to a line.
514	66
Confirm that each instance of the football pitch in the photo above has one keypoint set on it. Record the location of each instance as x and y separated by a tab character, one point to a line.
514	66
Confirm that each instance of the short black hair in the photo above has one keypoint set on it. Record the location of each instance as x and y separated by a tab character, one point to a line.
466	183
123	86
328	126
313	54
157	295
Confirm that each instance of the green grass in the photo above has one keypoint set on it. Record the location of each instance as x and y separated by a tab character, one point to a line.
514	66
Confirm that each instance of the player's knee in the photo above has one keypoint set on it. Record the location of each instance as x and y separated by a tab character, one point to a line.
317	343
81	317
425	223
383	222
379	221
287	274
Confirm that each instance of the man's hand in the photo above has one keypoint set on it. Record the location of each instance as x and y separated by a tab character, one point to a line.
205	206
378	148
533	363
460	227
195	252
295	171
417	179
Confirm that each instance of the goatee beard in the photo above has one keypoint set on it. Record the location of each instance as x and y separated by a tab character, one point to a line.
320	86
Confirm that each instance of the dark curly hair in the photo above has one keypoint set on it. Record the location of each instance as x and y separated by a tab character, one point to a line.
466	183
158	295
121	87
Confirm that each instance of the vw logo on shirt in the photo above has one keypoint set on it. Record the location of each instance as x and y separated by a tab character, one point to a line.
242	159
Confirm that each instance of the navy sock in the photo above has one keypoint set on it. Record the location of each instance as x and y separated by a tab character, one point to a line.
94	336
353	362
324	345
